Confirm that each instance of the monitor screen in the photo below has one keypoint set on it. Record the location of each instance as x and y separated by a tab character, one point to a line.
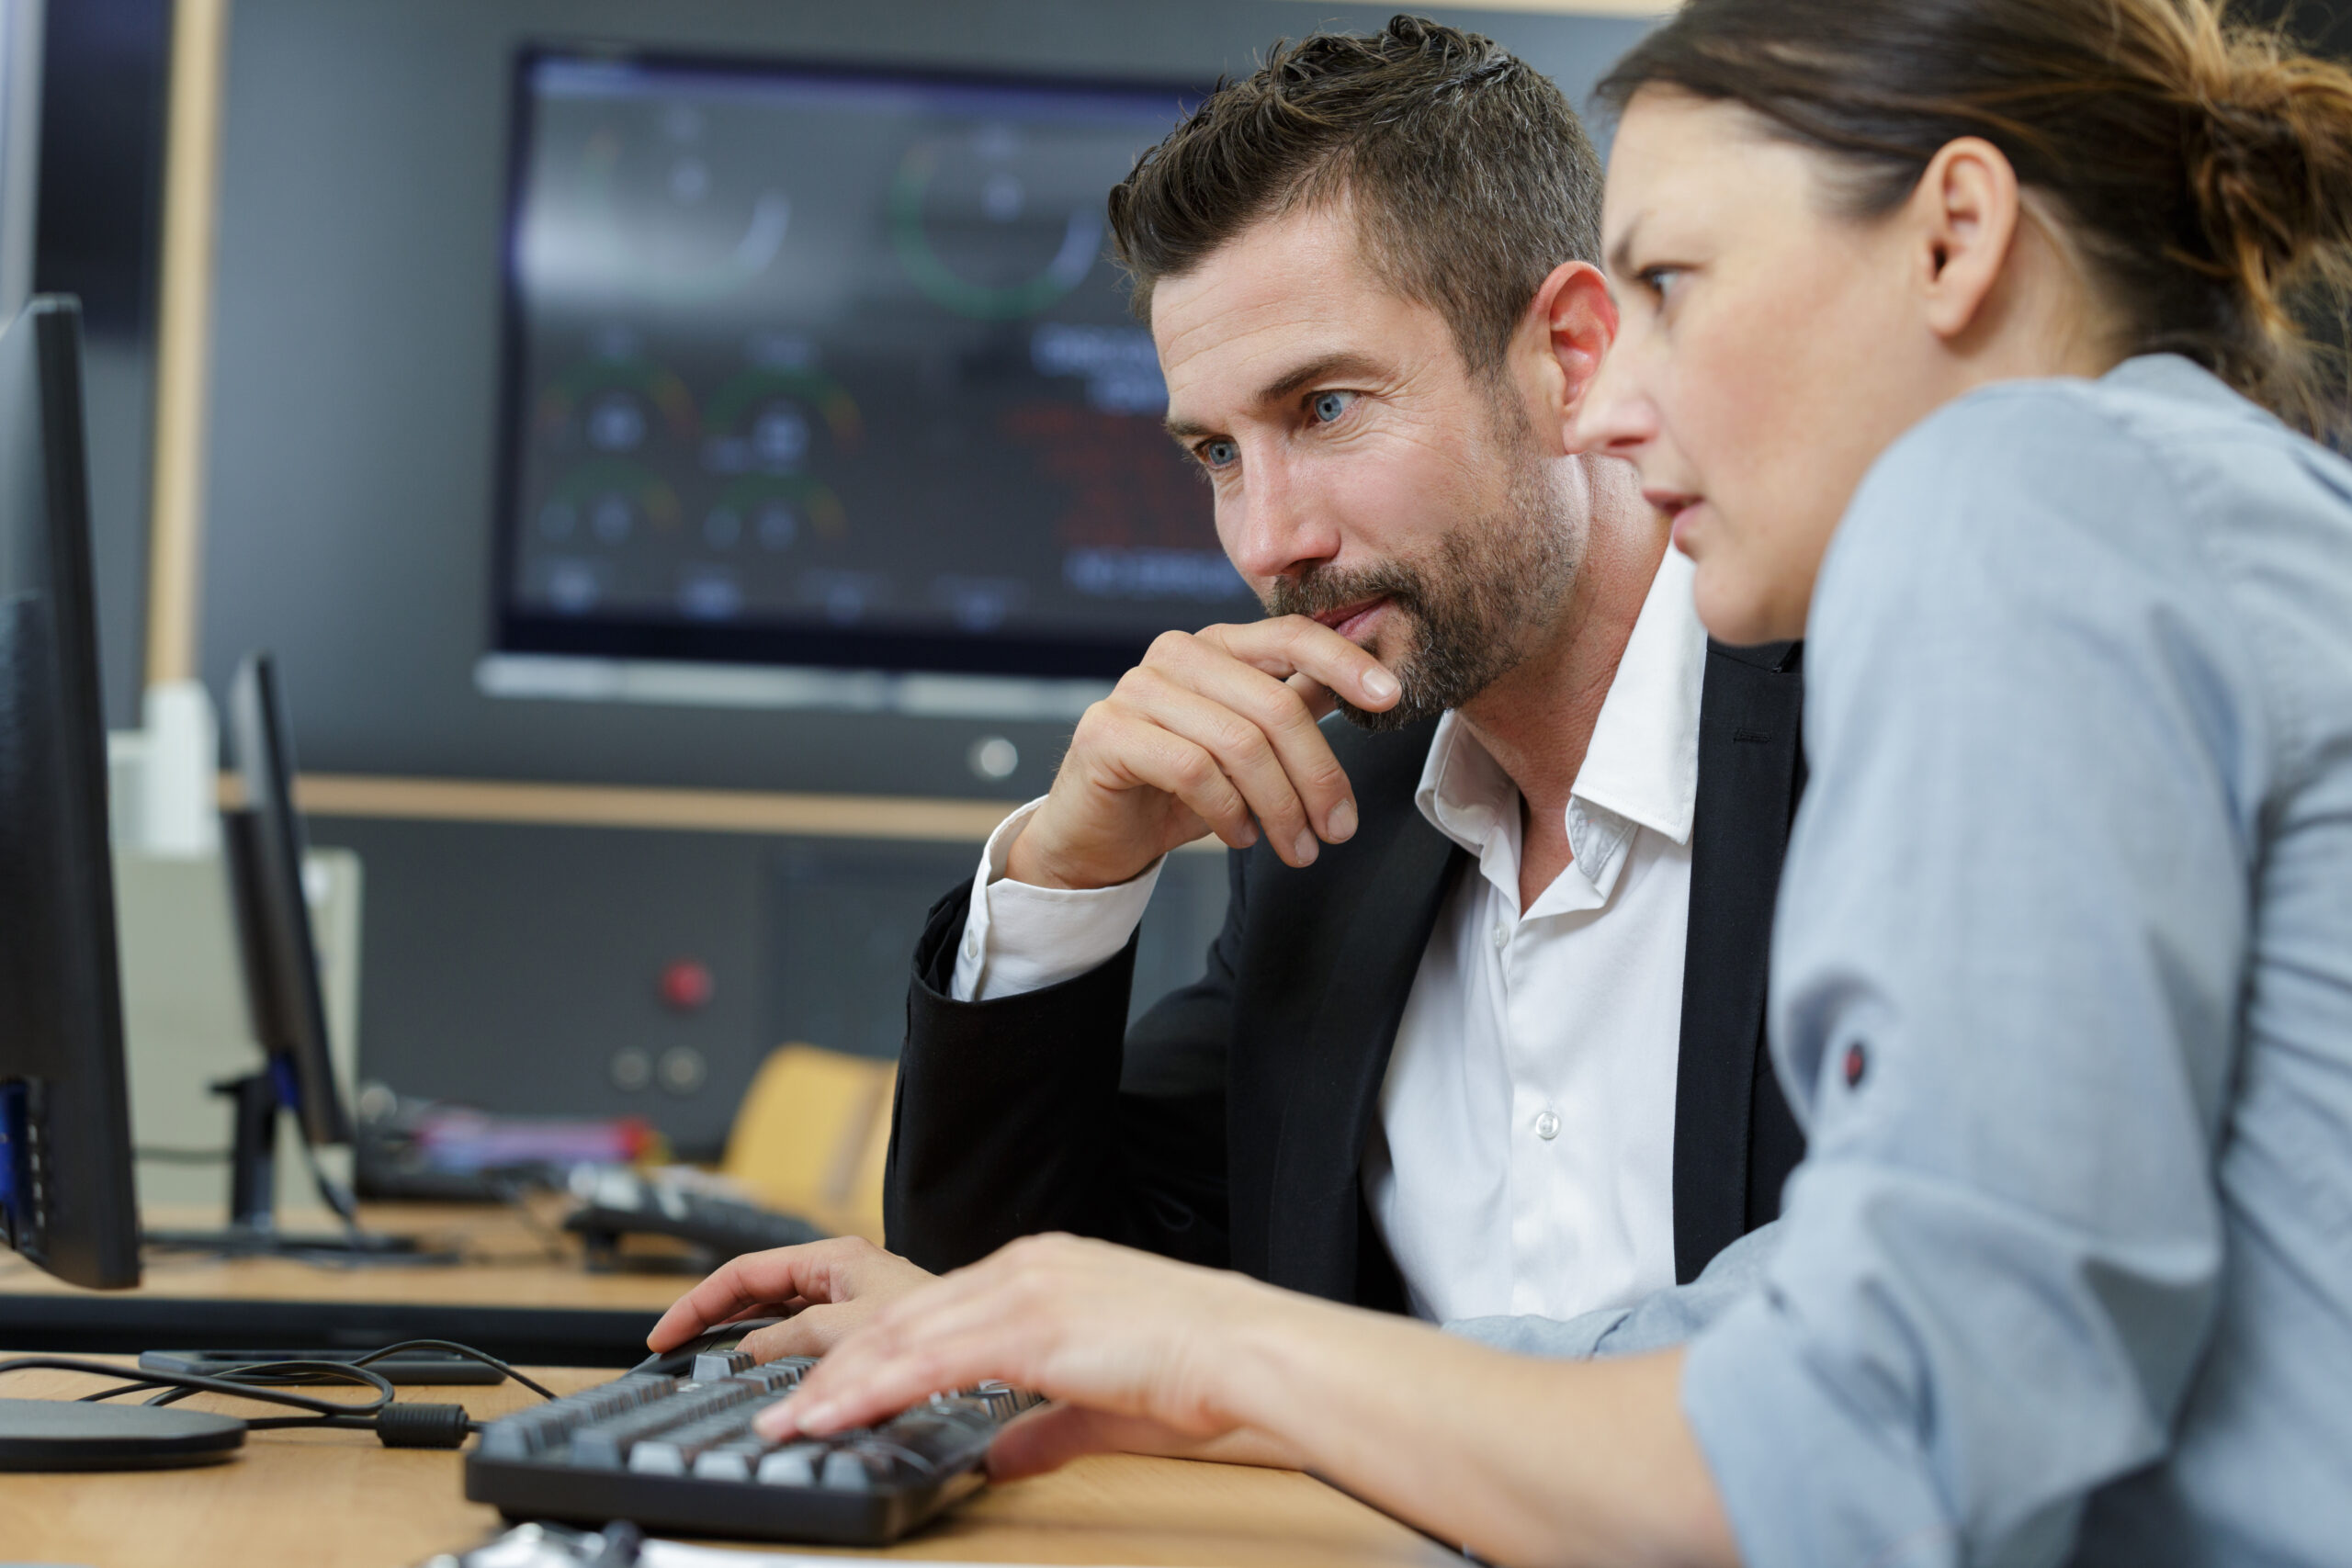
817	367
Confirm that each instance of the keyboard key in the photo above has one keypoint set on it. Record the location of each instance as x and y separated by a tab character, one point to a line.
851	1469
794	1465
732	1461
713	1365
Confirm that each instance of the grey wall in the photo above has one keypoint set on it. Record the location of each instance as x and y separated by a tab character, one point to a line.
351	477
505	966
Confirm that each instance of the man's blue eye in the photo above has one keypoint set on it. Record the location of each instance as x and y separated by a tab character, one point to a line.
1219	453
1329	406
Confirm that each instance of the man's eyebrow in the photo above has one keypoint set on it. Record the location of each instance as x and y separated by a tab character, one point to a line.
1342	362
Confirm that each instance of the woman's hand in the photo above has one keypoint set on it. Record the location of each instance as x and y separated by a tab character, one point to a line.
1137	1351
1518	1459
823	1290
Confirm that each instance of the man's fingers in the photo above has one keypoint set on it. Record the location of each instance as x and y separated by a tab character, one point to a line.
1320	703
1151	754
1208	705
1285	724
1293	645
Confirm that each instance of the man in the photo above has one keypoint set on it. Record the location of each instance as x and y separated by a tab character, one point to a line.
1482	1035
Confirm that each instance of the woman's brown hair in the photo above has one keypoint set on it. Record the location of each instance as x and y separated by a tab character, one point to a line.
2203	170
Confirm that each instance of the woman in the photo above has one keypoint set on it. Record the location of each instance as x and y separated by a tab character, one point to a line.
1947	335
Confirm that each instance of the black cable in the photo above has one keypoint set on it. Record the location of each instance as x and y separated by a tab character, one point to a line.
243	1378
454	1349
184	1384
421	1424
338	1198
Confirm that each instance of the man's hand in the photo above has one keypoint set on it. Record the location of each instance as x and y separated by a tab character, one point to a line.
822	1290
1213	732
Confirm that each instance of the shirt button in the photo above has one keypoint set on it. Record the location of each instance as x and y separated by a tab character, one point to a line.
1501	936
1547	1126
971	944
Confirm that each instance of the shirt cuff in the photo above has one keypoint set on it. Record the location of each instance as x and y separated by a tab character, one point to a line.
1807	1476
1019	938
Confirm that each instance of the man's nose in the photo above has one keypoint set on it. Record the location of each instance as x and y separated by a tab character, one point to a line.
1275	526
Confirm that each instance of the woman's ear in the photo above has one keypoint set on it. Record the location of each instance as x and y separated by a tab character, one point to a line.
1577	322
1965	210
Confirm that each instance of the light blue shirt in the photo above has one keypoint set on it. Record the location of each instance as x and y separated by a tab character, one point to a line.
2062	990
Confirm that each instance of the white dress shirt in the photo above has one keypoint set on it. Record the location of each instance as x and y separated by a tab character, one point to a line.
1523	1159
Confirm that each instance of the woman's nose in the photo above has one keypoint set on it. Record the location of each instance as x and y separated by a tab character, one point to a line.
1615	418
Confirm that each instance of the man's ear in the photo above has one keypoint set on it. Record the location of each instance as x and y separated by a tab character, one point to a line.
1577	320
1964	214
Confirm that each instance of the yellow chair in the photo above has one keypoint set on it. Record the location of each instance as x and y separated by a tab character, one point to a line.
813	1135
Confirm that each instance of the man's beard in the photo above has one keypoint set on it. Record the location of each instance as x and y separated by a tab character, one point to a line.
1496	588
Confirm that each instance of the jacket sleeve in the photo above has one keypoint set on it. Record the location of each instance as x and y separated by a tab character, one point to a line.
1042	1111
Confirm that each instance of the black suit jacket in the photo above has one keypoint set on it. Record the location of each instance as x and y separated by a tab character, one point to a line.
1228	1126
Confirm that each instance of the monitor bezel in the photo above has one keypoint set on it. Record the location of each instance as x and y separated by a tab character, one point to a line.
89	1227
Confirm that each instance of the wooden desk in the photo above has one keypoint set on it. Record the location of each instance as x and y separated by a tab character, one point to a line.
341	1500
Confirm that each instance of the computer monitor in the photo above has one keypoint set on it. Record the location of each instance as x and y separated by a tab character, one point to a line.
261	839
830	368
66	1191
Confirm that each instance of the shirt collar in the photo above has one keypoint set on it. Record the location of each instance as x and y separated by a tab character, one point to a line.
1643	760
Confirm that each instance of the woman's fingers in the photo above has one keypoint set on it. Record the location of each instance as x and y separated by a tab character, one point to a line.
1081	1322
759	1283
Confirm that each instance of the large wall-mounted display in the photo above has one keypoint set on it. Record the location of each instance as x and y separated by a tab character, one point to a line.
816	365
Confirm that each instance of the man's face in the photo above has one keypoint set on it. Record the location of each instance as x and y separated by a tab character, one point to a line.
1364	475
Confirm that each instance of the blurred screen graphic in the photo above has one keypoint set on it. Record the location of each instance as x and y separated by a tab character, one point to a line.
812	366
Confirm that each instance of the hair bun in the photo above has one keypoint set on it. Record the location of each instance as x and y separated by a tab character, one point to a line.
2269	162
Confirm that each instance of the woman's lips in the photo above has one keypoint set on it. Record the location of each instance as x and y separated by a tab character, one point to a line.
1681	510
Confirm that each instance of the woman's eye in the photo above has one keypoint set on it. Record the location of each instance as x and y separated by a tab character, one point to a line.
1218	453
1661	281
1329	406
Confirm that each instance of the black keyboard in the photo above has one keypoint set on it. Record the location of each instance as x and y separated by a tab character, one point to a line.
617	1202
677	1453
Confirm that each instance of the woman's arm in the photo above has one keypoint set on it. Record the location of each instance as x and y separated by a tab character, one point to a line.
1522	1460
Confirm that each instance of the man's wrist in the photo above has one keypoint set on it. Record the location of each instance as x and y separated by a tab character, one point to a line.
1032	862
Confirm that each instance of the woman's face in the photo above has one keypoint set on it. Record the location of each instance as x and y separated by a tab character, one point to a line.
1768	350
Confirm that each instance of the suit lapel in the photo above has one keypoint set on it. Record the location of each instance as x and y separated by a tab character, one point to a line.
1749	749
1331	1086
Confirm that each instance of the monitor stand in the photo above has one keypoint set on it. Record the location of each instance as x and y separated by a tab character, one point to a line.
253	1228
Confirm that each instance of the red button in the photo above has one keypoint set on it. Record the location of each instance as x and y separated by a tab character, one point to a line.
1855	1064
687	985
